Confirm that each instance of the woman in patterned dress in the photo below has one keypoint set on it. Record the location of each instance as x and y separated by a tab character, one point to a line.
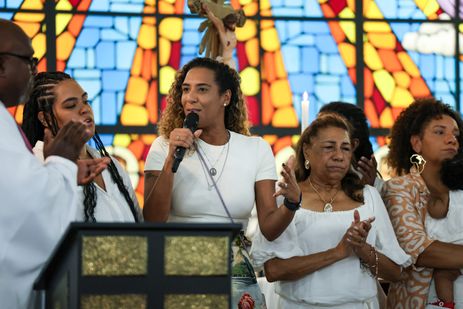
426	138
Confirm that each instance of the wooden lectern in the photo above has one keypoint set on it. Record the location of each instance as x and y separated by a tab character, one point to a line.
136	266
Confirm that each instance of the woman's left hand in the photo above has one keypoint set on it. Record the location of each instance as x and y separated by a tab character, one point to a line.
358	232
367	167
289	187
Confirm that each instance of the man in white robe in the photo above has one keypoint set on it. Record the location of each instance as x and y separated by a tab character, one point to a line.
37	201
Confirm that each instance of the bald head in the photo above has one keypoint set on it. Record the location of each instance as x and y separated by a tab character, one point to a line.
16	66
13	37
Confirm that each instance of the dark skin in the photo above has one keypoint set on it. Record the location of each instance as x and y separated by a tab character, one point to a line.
15	82
438	142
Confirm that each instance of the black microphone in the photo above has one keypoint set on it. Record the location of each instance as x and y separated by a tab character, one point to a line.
190	122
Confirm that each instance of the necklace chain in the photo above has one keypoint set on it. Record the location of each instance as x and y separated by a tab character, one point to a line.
212	170
328	205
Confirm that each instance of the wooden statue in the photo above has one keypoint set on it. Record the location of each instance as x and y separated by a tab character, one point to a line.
219	39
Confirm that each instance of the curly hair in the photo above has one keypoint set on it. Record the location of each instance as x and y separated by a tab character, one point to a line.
351	184
236	113
42	99
412	121
356	117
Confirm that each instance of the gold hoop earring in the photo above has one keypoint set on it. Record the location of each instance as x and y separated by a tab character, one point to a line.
307	164
418	162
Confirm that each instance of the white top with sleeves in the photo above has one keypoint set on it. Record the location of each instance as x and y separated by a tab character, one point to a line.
449	230
343	284
37	203
111	205
249	159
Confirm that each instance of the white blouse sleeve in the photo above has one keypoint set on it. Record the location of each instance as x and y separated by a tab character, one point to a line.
266	162
157	154
284	247
386	241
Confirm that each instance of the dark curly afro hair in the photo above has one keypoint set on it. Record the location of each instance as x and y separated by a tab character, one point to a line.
412	121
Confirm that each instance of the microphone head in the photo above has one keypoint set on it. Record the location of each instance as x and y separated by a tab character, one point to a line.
191	121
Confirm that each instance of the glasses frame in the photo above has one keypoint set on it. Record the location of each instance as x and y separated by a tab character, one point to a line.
31	61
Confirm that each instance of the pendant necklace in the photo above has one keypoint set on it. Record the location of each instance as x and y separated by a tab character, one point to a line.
212	171
328	204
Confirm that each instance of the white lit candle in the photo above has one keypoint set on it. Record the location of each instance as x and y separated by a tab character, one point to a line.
304	111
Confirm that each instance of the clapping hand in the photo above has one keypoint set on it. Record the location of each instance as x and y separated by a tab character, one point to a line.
289	187
358	232
367	167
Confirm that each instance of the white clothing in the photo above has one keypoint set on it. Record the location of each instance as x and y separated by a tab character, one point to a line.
38	201
244	161
343	284
111	204
449	230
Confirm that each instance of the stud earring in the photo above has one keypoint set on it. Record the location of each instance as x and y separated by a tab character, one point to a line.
418	162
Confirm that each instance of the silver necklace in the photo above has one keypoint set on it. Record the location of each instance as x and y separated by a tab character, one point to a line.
212	171
328	205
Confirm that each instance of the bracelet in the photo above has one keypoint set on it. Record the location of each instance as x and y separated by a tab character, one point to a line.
365	266
293	206
376	263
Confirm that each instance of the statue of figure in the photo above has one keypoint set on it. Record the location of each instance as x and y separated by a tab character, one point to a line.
219	40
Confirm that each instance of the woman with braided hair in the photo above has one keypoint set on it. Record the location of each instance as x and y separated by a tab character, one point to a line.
55	100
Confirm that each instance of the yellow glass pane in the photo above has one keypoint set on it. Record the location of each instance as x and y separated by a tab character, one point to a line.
280	92
285	118
408	64
382	40
171	28
248	31
39	43
134	115
65	45
401	98
147	36
372	59
250	81
166	78
385	83
252	51
164	51
114	255
347	52
269	39
137	89
196	256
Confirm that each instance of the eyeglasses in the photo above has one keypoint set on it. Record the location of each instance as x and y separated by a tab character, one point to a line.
32	61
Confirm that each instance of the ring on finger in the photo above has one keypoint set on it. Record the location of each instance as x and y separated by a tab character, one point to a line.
285	185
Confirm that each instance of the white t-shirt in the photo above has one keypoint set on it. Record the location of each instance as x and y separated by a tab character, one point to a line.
343	284
449	230
240	163
37	203
111	205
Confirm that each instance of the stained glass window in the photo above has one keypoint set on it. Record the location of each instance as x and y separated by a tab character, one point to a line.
125	54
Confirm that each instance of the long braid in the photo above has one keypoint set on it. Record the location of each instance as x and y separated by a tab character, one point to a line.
90	202
116	177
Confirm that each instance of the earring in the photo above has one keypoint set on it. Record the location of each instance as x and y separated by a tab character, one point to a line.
418	162
307	164
225	104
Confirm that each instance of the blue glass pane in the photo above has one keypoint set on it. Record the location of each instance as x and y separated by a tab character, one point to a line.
296	8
